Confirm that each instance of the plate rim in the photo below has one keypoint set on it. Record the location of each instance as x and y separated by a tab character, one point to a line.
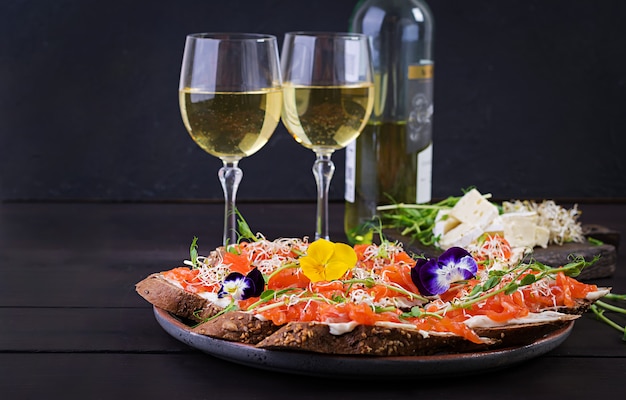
359	366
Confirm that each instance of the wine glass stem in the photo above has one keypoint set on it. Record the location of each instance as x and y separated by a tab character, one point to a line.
323	169
230	175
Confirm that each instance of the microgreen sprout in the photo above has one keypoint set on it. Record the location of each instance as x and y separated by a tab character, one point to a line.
415	220
269	294
418	312
232	306
193	252
244	230
369	282
599	308
594	241
521	276
286	301
281	268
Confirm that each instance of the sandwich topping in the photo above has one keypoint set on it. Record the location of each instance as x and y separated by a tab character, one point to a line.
342	286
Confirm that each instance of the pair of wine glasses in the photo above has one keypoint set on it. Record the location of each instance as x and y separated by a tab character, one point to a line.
234	89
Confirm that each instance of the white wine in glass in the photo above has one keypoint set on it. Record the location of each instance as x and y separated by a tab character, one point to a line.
328	96
230	98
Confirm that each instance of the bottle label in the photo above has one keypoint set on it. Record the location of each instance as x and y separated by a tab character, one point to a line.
419	125
424	175
421	71
420	106
350	188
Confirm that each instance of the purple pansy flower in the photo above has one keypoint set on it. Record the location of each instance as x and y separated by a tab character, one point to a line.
242	287
435	275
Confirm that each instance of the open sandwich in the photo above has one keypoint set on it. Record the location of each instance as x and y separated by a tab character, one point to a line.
371	300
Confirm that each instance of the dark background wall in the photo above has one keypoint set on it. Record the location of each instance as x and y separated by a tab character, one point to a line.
530	99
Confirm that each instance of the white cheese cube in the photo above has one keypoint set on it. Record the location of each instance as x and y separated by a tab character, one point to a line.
474	209
496	227
542	236
461	235
519	228
444	223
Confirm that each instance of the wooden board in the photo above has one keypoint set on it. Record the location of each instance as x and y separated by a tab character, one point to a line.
553	255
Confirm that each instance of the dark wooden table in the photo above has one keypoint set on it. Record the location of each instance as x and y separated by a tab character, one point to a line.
72	326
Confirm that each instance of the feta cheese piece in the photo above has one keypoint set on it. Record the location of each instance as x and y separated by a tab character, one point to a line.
461	235
474	209
519	228
496	227
542	236
444	223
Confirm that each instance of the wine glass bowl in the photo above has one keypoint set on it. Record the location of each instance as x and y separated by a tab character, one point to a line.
230	97
328	117
231	125
328	96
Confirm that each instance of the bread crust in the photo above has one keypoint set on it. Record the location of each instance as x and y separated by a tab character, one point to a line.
159	292
366	340
237	326
390	341
523	334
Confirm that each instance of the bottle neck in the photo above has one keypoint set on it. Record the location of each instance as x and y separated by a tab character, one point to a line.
401	34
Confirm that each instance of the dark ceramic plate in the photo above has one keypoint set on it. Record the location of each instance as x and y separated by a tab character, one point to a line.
360	367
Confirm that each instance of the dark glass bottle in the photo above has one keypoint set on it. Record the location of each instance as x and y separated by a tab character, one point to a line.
391	160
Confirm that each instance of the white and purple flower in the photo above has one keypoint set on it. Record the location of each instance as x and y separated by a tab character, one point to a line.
242	287
435	275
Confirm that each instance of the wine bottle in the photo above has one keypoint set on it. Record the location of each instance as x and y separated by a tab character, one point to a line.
391	160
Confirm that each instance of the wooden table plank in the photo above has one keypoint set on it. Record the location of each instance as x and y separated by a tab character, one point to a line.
100	228
195	376
84	330
95	283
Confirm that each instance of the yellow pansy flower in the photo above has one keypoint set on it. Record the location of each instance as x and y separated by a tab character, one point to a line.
327	261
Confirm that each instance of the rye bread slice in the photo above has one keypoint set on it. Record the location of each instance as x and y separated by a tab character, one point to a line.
523	333
367	340
161	293
237	326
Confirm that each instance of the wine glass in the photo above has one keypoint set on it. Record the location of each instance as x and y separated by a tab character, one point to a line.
230	99
328	95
